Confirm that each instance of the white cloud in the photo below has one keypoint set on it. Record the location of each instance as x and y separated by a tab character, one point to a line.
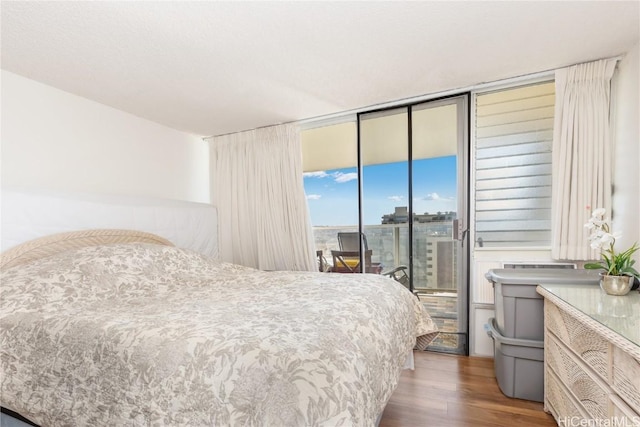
396	198
436	196
318	174
313	196
340	177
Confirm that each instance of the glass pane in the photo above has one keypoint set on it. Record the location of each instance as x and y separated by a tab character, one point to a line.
514	132
385	171
435	142
332	193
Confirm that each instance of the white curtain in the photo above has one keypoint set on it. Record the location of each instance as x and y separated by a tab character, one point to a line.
582	155
262	209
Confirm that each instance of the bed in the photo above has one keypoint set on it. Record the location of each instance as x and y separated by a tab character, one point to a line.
122	328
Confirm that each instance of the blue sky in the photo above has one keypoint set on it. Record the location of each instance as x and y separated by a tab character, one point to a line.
333	195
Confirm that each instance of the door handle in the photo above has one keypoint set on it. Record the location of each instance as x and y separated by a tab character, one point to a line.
459	232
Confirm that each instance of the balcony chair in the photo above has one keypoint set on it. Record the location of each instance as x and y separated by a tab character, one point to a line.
349	262
347	259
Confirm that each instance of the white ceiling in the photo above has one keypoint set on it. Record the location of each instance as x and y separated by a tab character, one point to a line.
210	68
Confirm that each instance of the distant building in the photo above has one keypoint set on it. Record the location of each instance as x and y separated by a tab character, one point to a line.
401	215
438	217
434	261
441	263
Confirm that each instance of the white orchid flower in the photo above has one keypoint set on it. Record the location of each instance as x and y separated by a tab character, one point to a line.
607	239
601	238
597	222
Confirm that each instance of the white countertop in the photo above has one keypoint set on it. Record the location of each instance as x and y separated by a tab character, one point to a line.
621	314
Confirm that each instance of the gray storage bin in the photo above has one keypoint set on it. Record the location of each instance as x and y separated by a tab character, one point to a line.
519	308
518	365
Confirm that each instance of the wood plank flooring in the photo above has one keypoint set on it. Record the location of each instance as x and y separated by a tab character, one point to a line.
446	390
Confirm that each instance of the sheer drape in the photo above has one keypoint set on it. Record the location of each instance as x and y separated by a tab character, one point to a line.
257	188
582	153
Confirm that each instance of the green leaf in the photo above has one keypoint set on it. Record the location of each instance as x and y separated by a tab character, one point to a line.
594	266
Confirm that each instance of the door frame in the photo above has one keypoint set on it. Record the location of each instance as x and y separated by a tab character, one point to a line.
463	163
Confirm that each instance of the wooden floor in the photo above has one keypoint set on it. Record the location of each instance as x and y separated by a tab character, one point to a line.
447	390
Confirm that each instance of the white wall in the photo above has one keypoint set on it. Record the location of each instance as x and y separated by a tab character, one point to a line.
55	140
626	129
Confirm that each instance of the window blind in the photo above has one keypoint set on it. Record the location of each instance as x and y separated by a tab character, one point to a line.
514	133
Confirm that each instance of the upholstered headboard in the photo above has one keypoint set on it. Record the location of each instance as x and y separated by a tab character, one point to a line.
27	215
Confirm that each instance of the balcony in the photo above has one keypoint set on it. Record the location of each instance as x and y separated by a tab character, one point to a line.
434	261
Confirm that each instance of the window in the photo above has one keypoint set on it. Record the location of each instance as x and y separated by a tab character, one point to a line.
329	157
513	134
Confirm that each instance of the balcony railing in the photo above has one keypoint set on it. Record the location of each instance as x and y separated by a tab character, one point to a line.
434	251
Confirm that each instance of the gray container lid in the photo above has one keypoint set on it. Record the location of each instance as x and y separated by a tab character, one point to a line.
537	276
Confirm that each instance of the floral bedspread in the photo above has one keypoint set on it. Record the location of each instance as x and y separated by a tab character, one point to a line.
152	335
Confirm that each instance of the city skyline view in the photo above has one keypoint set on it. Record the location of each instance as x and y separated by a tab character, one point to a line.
332	195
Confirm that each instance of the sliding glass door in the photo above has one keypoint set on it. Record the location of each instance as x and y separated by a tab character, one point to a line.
391	185
413	201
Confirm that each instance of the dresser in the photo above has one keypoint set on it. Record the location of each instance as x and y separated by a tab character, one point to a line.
591	356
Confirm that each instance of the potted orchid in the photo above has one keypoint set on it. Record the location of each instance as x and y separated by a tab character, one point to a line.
618	272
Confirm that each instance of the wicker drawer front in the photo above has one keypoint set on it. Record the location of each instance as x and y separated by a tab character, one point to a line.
622	414
586	389
559	398
591	347
626	378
